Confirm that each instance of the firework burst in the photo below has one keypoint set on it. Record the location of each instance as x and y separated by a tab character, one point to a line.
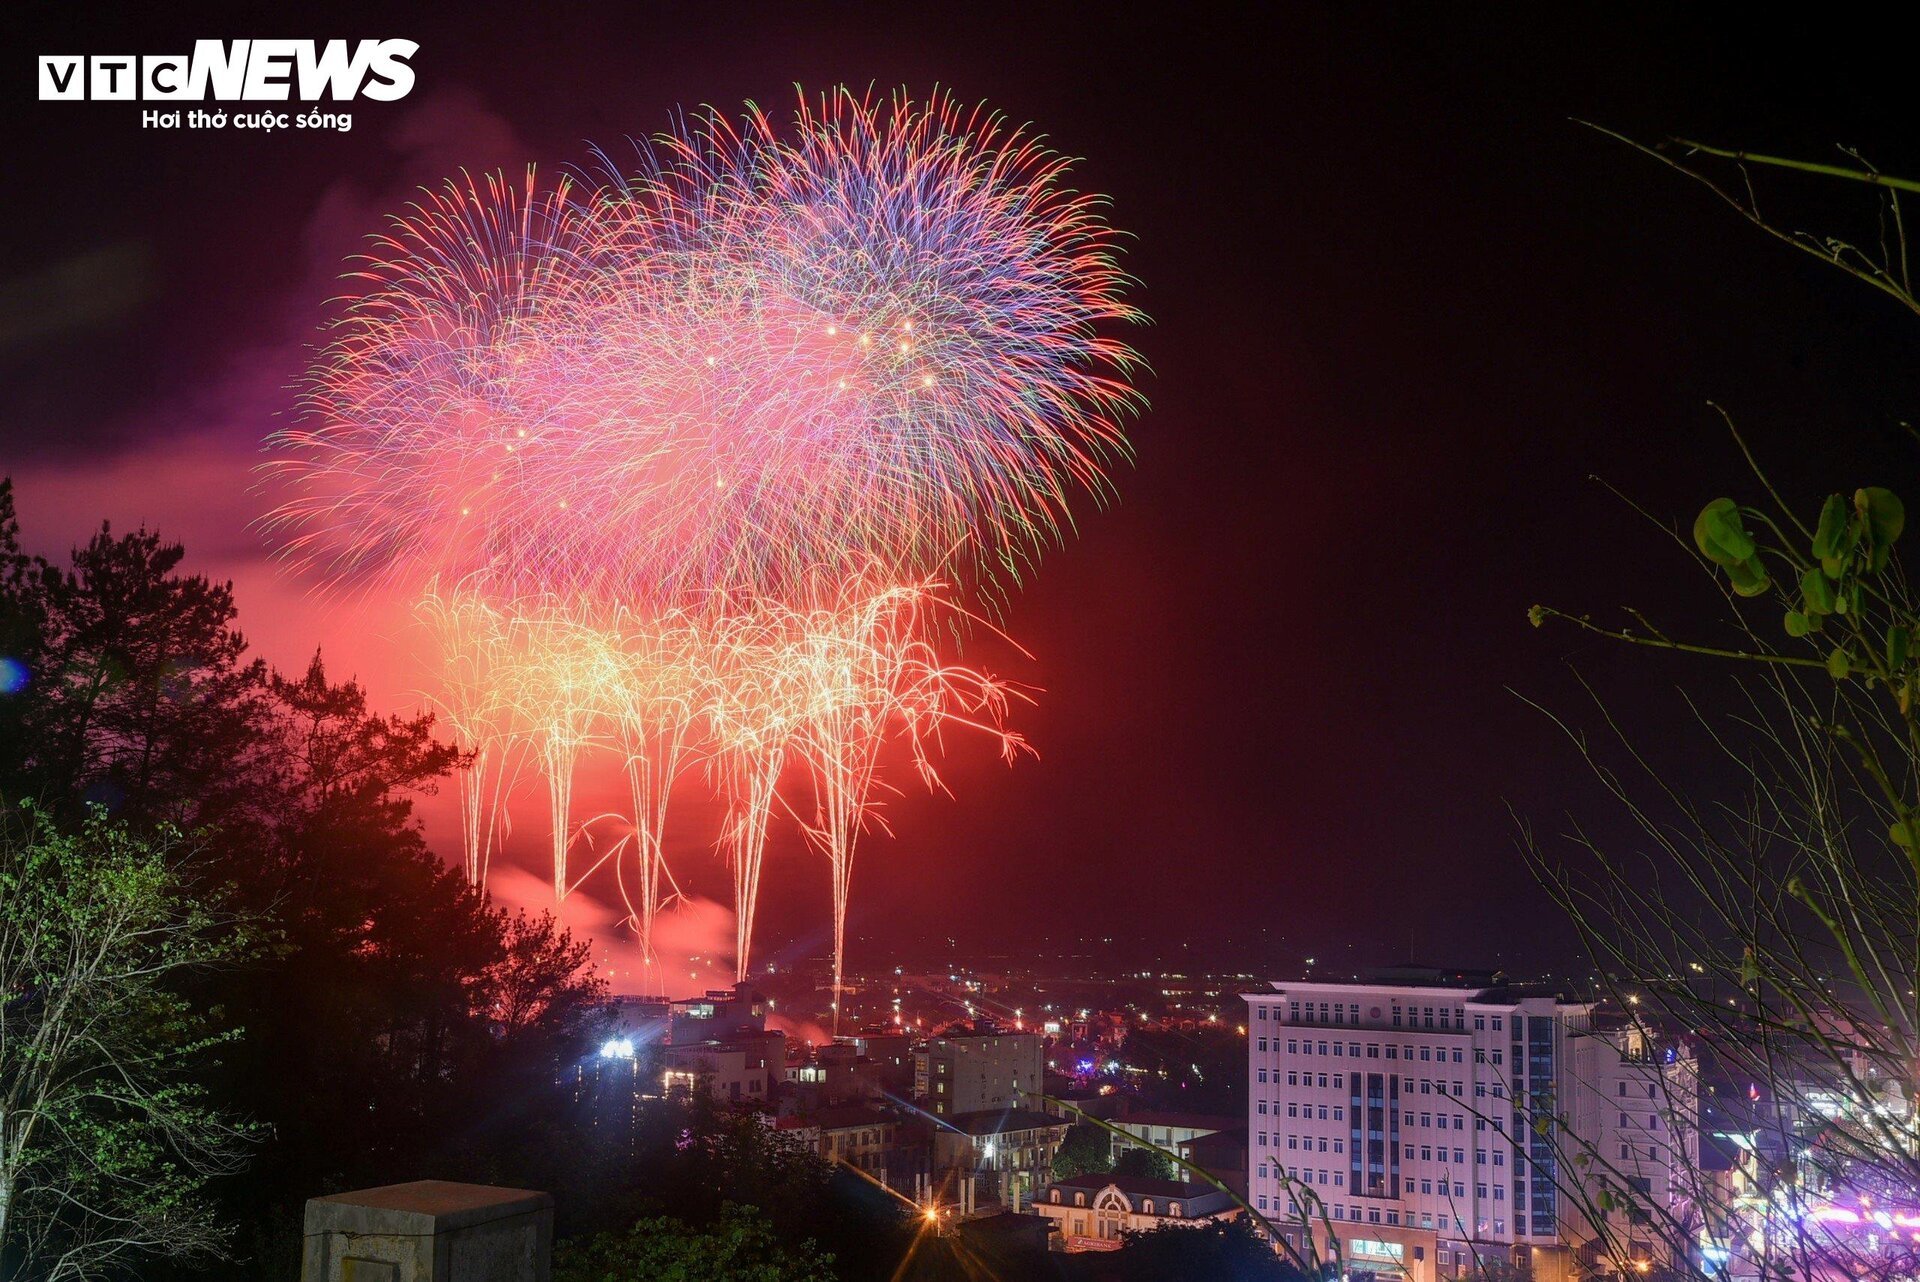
694	434
879	332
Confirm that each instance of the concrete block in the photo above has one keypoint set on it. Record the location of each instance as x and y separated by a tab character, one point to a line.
429	1231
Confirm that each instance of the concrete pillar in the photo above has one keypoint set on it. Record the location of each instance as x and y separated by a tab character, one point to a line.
429	1231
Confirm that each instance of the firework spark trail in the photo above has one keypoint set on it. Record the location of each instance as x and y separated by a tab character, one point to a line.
752	707
654	710
475	675
562	685
870	672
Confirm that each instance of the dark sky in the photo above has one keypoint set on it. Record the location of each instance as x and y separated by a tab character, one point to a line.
1403	309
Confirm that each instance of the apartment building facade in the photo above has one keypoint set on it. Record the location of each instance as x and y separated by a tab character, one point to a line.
1417	1115
971	1072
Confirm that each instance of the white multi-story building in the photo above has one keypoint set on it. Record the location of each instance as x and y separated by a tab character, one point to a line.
1418	1116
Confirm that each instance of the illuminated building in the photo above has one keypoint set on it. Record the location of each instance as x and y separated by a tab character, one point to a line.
722	1040
1009	1152
1422	1111
1092	1212
1167	1131
971	1072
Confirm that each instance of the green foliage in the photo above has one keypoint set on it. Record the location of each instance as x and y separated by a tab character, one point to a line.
428	1028
1721	535
1086	1150
1781	927
109	1140
741	1246
1851	547
1145	1163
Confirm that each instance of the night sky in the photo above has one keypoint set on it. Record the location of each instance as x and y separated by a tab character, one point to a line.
1403	309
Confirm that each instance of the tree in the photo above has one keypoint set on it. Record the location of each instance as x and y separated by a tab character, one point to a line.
1144	1163
140	695
1227	1251
1780	929
108	1142
740	1247
429	1027
1085	1151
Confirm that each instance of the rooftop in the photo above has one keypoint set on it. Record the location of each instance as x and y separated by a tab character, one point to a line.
1181	1121
847	1116
1138	1186
999	1121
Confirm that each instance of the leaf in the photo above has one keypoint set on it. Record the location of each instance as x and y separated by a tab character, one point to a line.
1748	577
1816	590
1900	837
1886	515
1797	624
1838	665
1899	639
1720	534
1829	541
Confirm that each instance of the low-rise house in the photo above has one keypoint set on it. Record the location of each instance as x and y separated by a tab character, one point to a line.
739	1070
1009	1151
1093	1212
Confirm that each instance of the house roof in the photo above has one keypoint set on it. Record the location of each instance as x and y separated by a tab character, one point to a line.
1230	1143
999	1121
847	1116
1139	1186
1180	1121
